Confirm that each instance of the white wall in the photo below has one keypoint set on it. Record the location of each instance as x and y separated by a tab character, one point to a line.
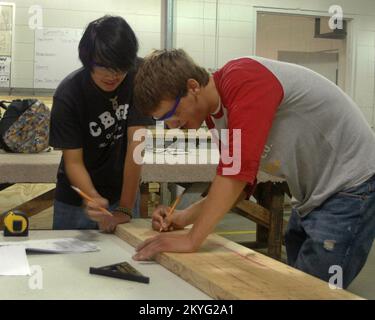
196	31
324	63
142	15
281	32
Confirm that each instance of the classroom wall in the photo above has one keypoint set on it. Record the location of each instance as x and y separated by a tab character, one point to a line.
142	15
196	30
213	44
280	32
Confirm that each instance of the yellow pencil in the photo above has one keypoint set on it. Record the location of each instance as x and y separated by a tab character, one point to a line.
88	198
175	204
181	191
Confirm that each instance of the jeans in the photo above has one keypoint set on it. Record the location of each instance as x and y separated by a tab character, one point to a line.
68	217
340	232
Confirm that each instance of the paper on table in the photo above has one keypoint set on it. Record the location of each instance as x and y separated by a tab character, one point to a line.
172	151
13	261
176	152
66	245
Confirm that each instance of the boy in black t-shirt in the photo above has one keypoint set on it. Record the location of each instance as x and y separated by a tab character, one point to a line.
93	121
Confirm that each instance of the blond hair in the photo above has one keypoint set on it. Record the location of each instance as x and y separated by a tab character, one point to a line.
163	75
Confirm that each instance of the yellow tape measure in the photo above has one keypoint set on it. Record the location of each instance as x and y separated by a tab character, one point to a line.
16	224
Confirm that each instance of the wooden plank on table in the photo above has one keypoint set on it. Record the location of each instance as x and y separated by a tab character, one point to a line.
225	270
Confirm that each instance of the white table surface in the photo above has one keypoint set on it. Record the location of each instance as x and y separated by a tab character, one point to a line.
66	276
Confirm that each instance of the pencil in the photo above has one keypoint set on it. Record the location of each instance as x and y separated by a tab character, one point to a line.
88	198
170	213
176	202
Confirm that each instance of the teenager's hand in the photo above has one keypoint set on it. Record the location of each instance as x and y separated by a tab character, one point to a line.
93	211
162	221
166	242
108	224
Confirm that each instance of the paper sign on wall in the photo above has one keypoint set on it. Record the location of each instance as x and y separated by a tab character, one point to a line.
5	71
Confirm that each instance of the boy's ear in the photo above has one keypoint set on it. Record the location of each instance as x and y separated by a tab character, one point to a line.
193	86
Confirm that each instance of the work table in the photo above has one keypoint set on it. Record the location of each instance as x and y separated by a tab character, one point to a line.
66	276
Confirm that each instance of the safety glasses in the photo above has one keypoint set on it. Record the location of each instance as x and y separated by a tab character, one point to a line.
170	113
107	70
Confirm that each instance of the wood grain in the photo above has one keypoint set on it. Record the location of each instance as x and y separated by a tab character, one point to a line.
225	270
19	194
42	221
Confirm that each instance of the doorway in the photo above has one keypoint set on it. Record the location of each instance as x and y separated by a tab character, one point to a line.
303	40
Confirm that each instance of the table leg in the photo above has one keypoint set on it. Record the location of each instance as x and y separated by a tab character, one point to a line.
164	194
145	194
271	197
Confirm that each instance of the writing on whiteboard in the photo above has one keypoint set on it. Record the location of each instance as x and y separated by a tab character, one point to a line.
56	55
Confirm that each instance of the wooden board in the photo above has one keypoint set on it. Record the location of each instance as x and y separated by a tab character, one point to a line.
22	194
225	270
18	194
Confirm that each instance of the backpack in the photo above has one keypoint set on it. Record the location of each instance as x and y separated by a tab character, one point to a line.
24	127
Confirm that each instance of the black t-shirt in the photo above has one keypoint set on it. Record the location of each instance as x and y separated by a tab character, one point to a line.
84	116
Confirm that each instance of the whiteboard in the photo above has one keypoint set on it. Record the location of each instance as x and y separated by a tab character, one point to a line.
56	55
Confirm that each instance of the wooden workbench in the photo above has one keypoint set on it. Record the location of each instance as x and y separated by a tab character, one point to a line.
42	168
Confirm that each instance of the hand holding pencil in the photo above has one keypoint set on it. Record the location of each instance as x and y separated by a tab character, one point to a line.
96	203
171	210
162	218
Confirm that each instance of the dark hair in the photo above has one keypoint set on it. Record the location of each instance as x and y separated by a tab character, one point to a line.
164	75
110	42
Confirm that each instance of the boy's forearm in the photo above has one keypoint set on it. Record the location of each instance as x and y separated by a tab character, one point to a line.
192	212
80	178
130	187
132	171
224	192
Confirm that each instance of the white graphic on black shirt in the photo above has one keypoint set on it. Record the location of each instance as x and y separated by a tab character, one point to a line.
107	121
122	112
95	129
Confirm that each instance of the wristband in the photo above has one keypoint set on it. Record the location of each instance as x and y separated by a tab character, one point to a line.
127	211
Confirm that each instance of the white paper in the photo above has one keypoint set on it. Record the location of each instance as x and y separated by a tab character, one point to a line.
13	261
172	151
66	245
4	71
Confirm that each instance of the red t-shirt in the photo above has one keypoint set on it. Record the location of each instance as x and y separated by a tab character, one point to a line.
250	95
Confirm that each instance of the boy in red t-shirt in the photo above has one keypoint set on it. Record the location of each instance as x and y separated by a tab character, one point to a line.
292	123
